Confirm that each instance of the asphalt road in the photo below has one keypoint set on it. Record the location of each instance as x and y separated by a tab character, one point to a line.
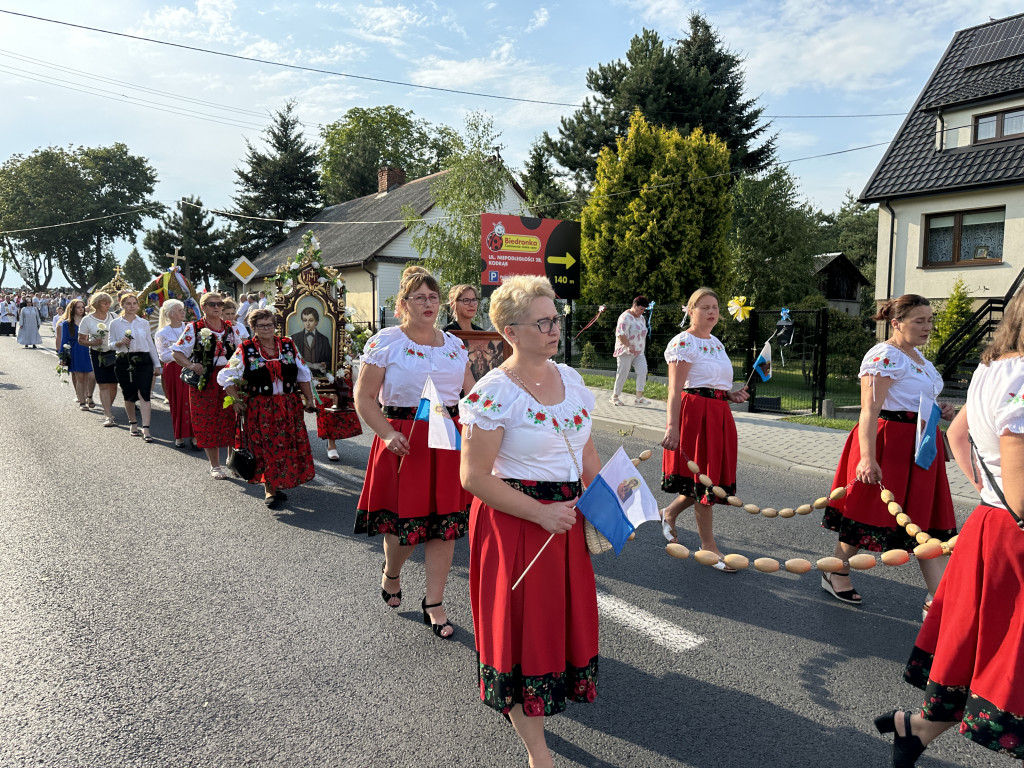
154	617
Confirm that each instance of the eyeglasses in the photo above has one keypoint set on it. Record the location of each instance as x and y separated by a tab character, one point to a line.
545	324
433	298
264	327
214	304
468	301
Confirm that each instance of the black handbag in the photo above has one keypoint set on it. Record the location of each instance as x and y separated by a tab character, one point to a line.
190	377
243	460
106	359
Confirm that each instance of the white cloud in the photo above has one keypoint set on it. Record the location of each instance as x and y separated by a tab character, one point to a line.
540	18
384	24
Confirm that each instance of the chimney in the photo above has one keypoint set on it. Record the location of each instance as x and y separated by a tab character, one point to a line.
389	178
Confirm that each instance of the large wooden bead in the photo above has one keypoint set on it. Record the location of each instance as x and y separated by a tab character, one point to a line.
645	455
693	467
769	512
863	562
952	542
887	496
837	493
913	529
945	547
636	462
820	503
924	537
706	481
894	508
739	562
719	491
895	557
787	512
735	501
934	540
804	509
752	509
677	551
798	565
766	565
705	557
830	564
927	551
631	536
902	519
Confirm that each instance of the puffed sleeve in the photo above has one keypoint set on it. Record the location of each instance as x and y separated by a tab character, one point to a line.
1010	413
682	349
187	342
378	348
304	372
490	404
165	344
883	360
233	372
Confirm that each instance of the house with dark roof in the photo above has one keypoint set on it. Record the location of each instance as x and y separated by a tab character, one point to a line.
950	187
367	241
840	281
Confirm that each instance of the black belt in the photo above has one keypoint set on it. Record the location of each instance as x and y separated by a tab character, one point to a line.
713	394
904	417
408	412
134	357
547	490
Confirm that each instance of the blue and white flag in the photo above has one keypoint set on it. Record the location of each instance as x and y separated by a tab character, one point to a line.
925	445
618	500
441	431
763	364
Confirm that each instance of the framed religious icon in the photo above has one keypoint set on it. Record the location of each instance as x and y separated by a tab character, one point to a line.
487	350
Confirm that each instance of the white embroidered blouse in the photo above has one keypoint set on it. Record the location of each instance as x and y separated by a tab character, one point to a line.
165	339
187	342
407	365
911	380
995	407
710	365
233	373
532	447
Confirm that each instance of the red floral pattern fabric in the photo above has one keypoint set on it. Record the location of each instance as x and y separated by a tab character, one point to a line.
212	423
276	434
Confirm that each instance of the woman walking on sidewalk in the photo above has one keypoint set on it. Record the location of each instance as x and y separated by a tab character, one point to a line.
700	424
894	377
630	340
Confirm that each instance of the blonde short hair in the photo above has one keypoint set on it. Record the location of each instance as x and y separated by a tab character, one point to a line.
512	300
96	298
699	294
208	296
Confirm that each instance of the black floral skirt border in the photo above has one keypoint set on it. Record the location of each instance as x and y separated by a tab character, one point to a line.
685	486
540	696
980	720
413	530
872	537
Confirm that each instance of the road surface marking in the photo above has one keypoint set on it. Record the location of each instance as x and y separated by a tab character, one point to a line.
664	633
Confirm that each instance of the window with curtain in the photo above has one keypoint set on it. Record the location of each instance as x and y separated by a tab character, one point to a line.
964	238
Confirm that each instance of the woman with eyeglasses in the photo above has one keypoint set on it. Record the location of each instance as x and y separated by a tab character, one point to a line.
700	424
412	491
205	347
526	453
462	306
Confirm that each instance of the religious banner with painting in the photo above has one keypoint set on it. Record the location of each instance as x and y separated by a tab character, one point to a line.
310	310
487	350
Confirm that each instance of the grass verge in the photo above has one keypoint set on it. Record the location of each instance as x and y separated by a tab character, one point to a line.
819	421
653	389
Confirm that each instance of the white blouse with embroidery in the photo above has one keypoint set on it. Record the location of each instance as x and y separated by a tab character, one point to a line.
532	447
407	364
710	365
165	339
233	373
911	380
995	407
187	342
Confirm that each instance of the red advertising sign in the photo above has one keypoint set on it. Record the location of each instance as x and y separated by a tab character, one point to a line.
520	245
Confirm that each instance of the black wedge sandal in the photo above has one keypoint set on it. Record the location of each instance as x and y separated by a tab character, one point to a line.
386	596
848	596
905	749
436	627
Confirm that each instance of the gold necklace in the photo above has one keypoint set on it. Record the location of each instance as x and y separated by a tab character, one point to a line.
519	381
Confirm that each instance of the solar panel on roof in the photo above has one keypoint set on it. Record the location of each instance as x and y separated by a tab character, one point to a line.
995	43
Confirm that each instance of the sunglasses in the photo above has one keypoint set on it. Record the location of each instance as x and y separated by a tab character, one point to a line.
214	304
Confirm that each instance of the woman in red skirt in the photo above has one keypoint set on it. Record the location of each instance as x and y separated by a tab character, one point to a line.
526	448
412	491
700	424
270	370
171	326
204	347
895	378
969	654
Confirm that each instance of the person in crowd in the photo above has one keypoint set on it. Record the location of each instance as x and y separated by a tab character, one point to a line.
76	355
8	315
94	332
700	424
630	340
169	329
967	656
205	347
28	326
263	300
43	305
230	314
274	429
462	307
412	492
243	311
526	453
137	363
895	379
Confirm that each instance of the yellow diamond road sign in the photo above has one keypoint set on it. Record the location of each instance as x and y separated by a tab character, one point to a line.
244	270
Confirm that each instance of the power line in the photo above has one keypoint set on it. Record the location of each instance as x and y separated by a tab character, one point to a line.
386	81
82	221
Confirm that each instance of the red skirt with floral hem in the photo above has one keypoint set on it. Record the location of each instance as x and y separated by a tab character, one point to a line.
536	646
212	424
707	435
423	501
178	398
275	431
969	653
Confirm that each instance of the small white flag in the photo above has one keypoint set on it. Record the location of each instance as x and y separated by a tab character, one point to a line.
441	431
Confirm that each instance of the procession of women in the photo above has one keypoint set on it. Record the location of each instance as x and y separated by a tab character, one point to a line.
238	390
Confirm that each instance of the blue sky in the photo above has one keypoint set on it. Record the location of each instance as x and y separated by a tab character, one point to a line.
803	57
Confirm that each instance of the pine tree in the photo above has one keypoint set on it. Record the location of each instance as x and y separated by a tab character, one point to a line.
135	270
547	197
281	184
203	247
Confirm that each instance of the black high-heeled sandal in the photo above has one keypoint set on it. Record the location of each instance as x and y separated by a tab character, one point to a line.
905	749
132	429
146	437
436	627
389	596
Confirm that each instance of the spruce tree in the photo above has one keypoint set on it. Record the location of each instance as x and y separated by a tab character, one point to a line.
203	247
135	270
547	197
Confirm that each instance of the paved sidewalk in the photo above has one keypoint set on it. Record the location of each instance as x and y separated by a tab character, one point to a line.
763	439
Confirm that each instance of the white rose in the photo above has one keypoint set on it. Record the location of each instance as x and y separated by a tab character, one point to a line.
316	265
322	280
206	333
299	253
67	346
349	311
338	283
288	282
315	242
349	328
348	359
330	378
101	326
